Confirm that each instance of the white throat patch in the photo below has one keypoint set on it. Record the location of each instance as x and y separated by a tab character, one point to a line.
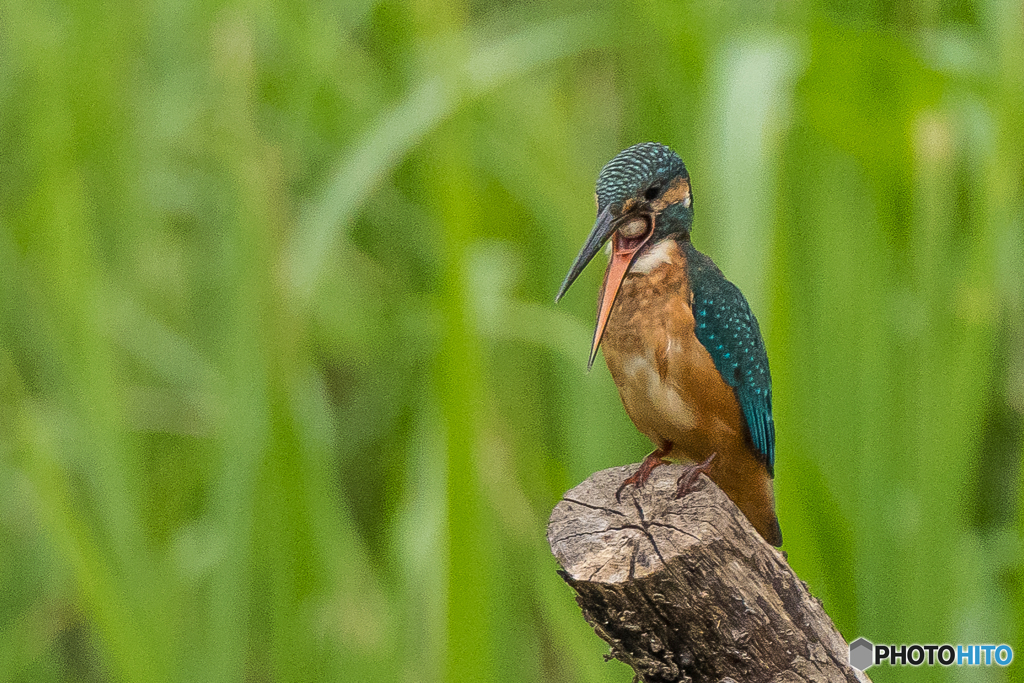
657	255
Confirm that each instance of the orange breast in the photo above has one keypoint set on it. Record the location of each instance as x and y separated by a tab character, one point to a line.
669	384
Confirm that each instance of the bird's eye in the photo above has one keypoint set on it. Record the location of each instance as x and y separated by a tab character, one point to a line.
652	192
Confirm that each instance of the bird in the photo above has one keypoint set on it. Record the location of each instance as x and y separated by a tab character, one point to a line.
680	340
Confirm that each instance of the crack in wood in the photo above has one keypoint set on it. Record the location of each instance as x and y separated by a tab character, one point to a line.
665	525
592	506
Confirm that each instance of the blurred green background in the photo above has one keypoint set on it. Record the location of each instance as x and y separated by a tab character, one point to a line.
283	392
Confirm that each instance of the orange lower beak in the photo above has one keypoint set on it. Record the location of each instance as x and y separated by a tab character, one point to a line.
624	250
618	266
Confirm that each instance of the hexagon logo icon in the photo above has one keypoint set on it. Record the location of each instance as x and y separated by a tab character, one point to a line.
862	654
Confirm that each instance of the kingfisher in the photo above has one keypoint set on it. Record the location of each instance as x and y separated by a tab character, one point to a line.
680	340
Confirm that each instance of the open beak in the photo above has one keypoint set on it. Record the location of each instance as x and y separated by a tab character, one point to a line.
624	250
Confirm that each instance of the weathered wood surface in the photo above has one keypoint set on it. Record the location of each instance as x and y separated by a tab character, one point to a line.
685	590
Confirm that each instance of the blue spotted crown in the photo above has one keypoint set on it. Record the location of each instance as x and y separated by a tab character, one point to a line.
635	168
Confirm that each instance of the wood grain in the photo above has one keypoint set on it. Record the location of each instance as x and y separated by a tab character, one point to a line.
686	590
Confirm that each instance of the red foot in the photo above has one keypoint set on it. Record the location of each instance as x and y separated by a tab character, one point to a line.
640	477
689	476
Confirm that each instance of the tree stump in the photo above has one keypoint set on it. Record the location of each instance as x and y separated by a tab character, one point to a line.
686	590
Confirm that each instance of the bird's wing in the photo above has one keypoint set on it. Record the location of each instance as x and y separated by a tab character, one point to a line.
727	328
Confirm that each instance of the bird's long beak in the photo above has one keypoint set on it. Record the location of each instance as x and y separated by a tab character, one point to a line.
623	253
602	229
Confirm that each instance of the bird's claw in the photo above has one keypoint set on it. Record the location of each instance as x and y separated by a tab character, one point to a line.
639	478
689	476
